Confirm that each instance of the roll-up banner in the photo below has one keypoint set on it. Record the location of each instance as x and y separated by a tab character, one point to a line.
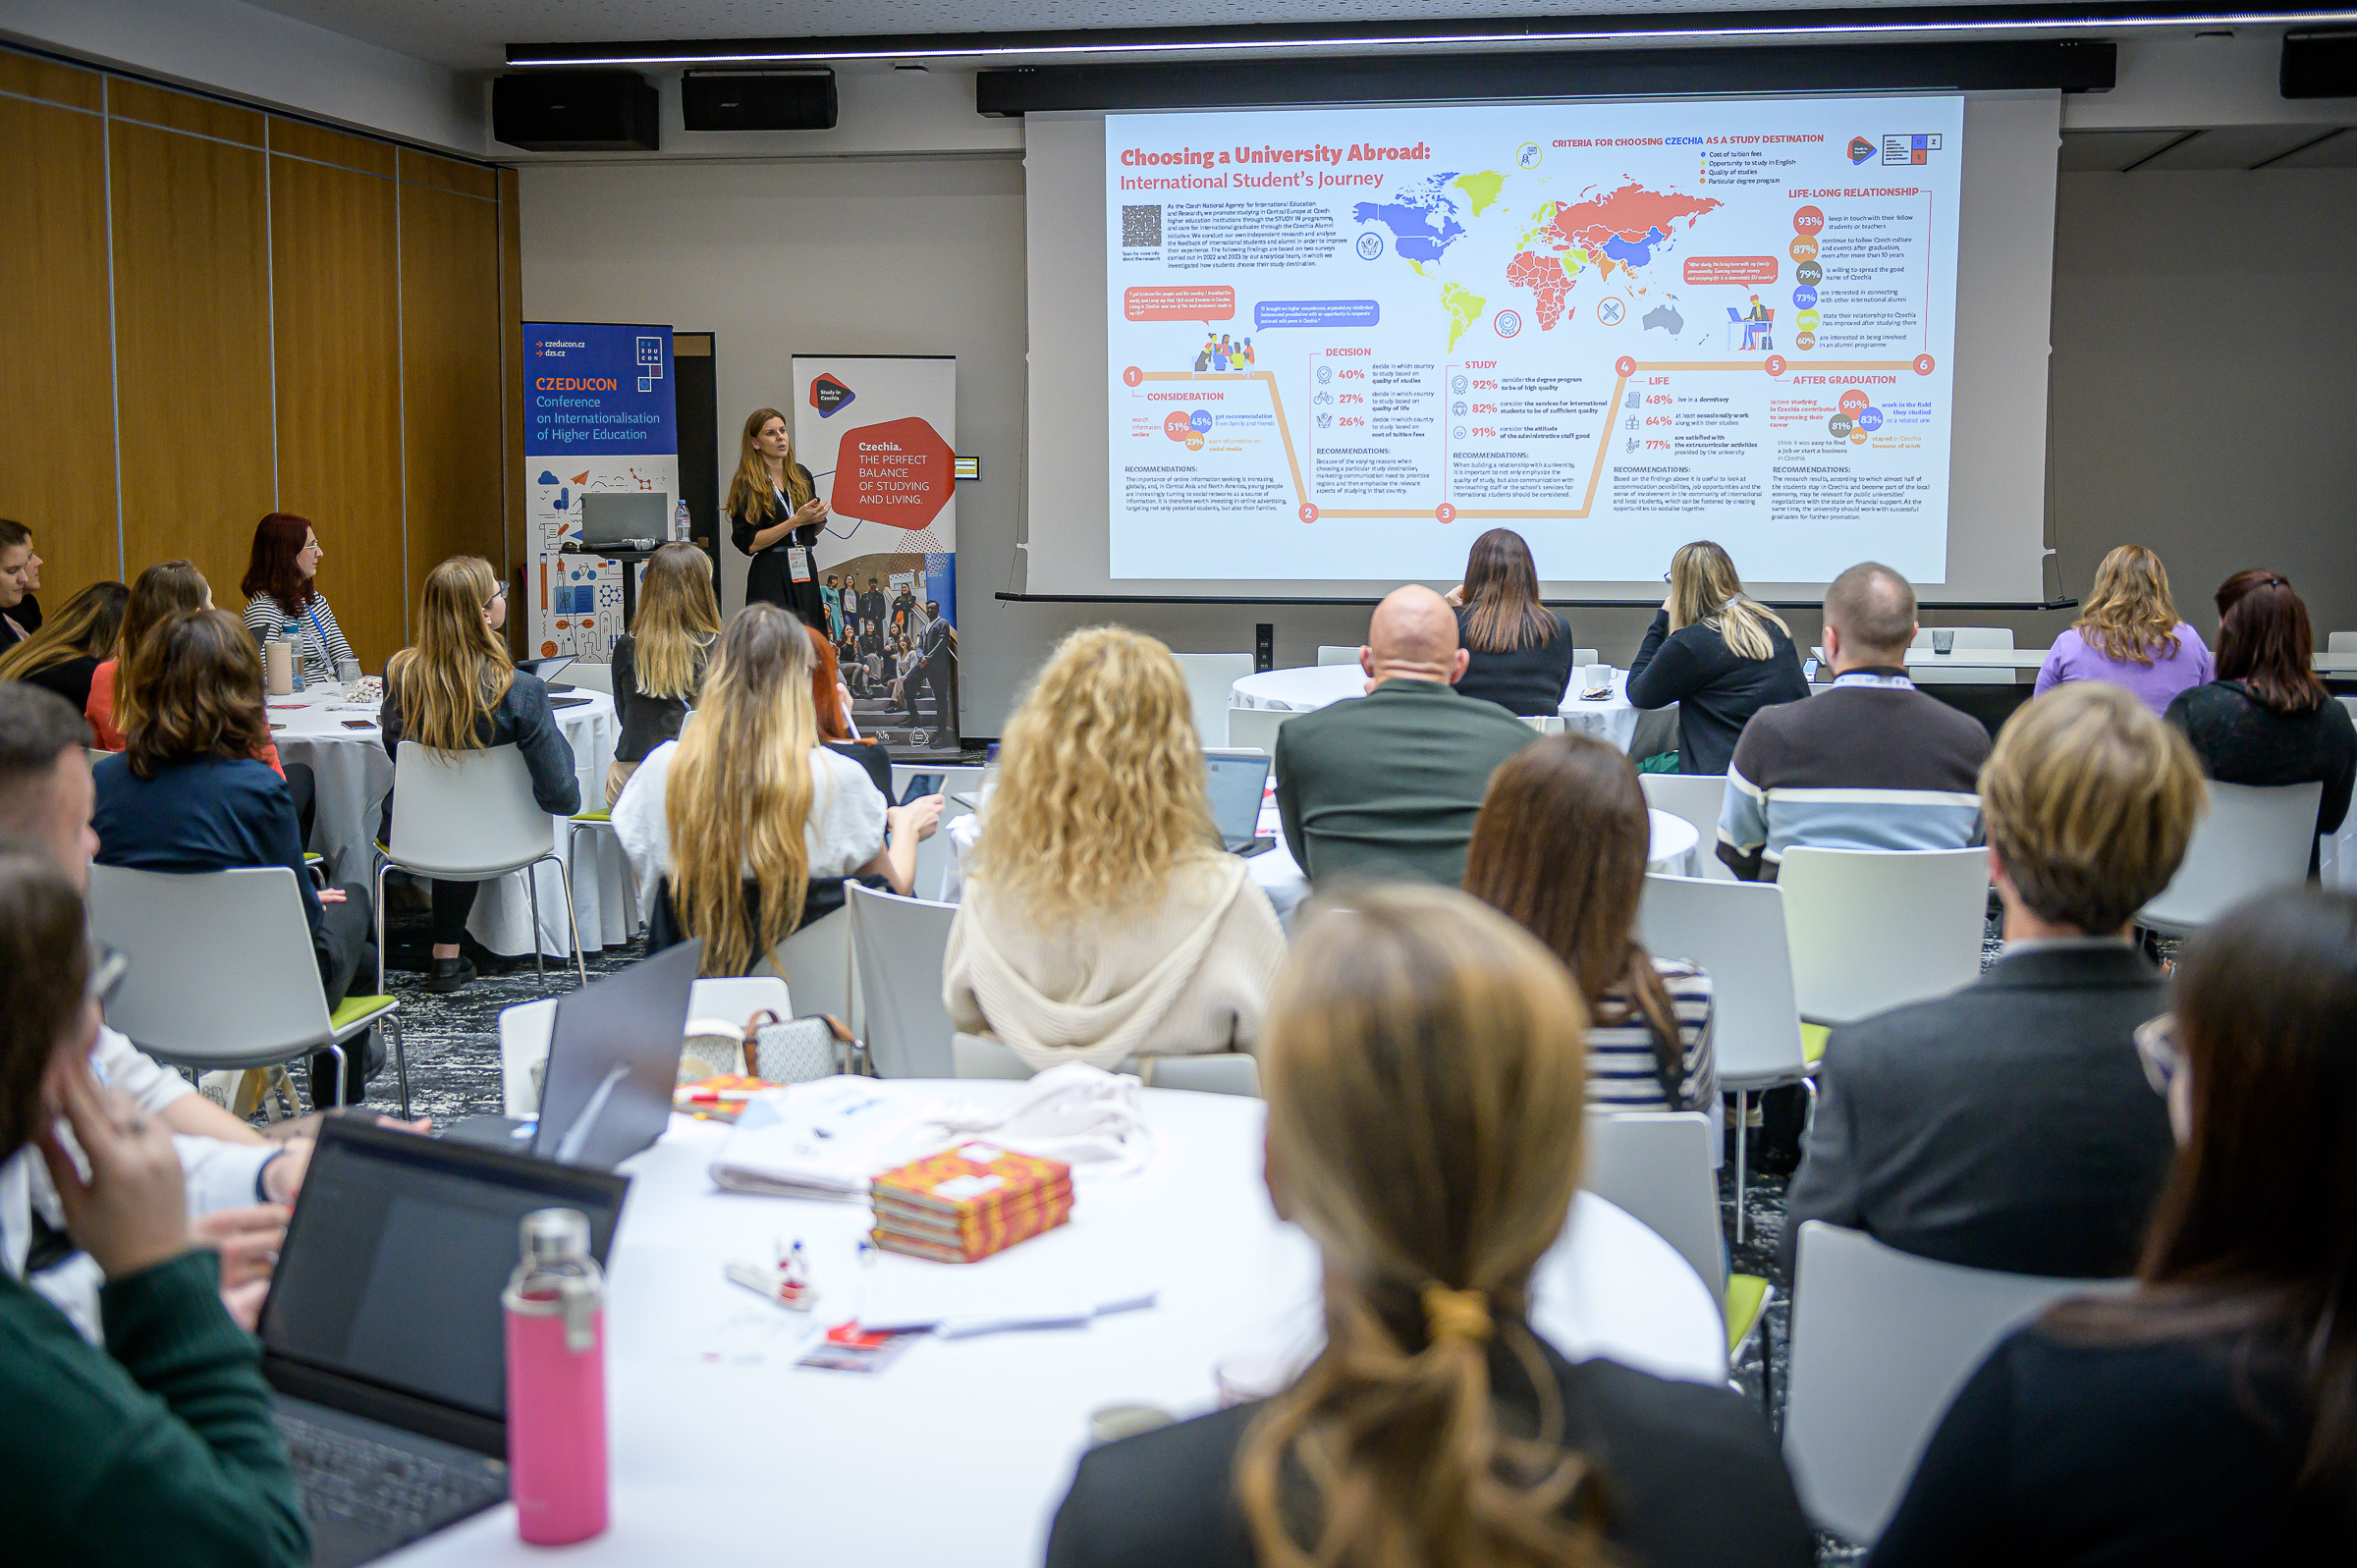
878	433
599	421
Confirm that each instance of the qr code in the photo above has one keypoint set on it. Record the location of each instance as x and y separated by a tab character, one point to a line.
1141	226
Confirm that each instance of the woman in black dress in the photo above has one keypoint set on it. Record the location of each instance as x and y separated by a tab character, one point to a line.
775	517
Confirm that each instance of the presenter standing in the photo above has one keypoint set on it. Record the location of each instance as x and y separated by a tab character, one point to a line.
775	517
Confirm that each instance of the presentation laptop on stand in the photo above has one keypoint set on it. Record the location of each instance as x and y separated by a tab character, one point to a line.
1237	782
625	519
612	1060
382	1336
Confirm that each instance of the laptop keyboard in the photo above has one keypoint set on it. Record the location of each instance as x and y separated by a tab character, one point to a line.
376	1488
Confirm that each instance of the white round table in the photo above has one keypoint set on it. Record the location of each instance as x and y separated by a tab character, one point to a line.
1309	687
340	743
959	1452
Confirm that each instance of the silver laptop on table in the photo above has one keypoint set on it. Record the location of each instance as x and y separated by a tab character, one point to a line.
616	517
1235	782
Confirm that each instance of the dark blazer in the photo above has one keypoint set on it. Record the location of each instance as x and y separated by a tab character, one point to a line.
871	608
646	722
1716	692
769	579
1388	785
522	716
2006	1126
2241	740
1693	1478
205	814
1522	681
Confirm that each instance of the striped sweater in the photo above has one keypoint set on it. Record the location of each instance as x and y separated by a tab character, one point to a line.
1871	764
1624	1073
322	640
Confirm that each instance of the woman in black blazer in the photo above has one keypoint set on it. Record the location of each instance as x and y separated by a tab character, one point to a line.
1425	1079
775	517
1522	649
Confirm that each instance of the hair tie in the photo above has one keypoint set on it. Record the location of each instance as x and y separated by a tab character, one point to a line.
1456	1315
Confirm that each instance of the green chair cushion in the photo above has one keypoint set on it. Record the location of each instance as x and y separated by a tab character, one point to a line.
1812	1042
602	813
312	857
1746	1295
357	1009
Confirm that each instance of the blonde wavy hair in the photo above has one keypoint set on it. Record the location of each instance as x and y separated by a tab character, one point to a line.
2130	615
1704	590
458	672
1426	1070
741	790
678	621
1100	795
751	494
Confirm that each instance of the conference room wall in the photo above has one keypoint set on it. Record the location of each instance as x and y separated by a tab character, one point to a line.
219	311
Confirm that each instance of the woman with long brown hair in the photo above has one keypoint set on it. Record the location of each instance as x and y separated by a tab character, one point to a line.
190	794
775	517
1522	649
156	593
1718	653
1102	920
457	691
2129	632
746	827
2210	1415
65	654
2267	720
659	662
1560	849
1425	1094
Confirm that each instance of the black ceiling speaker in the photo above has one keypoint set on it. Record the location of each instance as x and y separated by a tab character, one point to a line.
2320	65
575	111
759	100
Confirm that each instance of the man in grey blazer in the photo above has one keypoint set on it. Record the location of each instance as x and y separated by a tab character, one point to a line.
2008	1125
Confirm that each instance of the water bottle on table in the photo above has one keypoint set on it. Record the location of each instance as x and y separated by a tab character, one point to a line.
554	1301
292	631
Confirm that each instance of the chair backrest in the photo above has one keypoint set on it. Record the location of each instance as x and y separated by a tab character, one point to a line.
221	972
1696	797
1656	1166
1967	636
587	677
933	854
2340	642
976	1057
1334	654
1211	678
1881	1343
523	1035
2253	837
898	944
466	815
1220	1073
1256	728
738	997
817	965
1871	928
1581	658
1735	931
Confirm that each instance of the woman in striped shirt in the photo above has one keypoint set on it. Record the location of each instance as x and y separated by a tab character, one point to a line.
1560	846
281	591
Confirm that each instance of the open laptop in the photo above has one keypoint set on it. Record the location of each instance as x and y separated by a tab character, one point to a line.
1235	782
613	1061
612	517
382	1336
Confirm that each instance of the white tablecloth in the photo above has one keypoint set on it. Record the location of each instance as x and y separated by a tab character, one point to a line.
355	775
959	1452
1309	687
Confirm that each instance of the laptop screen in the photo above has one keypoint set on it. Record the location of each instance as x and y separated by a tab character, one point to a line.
614	1058
609	517
397	1254
1235	782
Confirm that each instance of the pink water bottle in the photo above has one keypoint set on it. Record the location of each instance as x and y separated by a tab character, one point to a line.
557	1381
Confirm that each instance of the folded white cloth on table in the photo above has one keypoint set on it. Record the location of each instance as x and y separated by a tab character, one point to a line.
823	1139
1084	1115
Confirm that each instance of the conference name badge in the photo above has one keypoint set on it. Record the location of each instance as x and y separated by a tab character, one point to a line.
797	561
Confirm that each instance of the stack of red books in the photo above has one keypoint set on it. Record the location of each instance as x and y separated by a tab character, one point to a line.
967	1203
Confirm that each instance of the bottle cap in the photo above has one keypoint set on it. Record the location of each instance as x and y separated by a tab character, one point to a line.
556	1235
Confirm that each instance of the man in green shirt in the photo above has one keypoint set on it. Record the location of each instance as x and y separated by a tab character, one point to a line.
1387	786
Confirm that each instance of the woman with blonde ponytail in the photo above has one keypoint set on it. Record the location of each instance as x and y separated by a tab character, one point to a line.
457	691
747	826
1424	1078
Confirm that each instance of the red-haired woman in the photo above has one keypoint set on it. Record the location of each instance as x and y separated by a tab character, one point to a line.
282	594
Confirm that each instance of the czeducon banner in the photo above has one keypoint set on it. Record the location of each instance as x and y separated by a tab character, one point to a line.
878	433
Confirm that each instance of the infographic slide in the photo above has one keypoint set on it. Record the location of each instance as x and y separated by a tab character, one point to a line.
1344	341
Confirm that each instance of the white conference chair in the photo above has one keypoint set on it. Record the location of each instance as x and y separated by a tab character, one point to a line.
933	854
1881	1343
1334	654
1211	679
1581	658
898	945
1696	798
1219	1072
586	676
470	816
1873	929
2253	837
1659	1166
1735	931
2340	642
1256	728
223	973
815	963
526	1029
1967	636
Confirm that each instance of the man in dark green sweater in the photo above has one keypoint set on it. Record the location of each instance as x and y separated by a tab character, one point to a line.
1387	786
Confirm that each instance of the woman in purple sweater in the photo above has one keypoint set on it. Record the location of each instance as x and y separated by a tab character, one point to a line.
2129	634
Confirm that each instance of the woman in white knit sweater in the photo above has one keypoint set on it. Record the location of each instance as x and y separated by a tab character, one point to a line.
1102	920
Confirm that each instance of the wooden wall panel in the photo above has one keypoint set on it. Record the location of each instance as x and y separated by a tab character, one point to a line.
181	111
450	301
57	445
511	391
447	174
46	79
192	343
323	145
335	253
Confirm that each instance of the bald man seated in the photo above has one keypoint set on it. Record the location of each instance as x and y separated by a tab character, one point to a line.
1387	786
